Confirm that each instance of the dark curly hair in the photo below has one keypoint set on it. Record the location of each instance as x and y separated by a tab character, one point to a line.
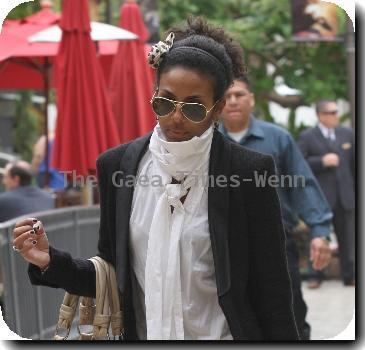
207	49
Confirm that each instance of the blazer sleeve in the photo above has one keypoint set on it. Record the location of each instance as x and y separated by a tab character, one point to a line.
269	281
77	276
314	161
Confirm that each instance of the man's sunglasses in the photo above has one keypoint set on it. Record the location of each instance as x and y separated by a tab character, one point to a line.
334	112
195	112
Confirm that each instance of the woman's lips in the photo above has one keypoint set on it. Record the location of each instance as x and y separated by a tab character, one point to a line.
178	134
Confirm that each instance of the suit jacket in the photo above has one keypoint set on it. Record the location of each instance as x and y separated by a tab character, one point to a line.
338	183
24	200
247	239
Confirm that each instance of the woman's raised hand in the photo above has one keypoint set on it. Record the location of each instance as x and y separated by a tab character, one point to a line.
30	241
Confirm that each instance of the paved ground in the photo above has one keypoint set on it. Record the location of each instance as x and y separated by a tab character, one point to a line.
330	309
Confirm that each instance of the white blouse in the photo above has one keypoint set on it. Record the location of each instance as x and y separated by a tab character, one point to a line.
203	318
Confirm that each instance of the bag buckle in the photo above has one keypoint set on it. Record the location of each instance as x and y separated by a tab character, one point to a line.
60	337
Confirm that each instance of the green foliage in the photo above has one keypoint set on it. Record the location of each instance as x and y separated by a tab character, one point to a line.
23	10
296	132
342	19
26	121
25	131
263	27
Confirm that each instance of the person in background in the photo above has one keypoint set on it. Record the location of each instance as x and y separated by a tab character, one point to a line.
56	179
21	197
304	202
330	151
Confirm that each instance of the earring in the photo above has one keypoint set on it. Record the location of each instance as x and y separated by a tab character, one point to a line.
216	124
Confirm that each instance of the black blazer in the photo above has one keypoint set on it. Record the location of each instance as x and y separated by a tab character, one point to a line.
247	239
338	183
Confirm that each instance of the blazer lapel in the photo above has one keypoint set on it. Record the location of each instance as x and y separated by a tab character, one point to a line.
128	167
218	210
338	136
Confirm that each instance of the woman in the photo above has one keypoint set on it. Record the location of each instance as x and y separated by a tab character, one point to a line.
198	249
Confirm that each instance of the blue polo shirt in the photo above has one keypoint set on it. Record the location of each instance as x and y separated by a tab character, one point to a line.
304	200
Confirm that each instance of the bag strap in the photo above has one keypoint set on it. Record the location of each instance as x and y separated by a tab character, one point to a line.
116	319
66	315
104	313
108	310
86	317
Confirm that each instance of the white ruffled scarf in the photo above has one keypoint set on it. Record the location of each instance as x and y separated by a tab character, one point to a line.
185	161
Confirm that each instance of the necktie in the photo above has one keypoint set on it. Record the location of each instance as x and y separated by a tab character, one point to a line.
331	135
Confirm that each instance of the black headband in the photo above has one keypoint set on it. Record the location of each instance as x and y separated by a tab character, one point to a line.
215	59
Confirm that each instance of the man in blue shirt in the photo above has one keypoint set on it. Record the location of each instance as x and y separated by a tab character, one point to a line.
299	199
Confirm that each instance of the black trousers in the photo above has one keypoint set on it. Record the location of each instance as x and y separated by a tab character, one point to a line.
344	227
344	224
300	307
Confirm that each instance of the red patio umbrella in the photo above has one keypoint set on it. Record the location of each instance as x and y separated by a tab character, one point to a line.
29	65
45	16
131	83
85	124
22	63
26	66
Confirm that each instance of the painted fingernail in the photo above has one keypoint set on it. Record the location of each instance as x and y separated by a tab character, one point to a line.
34	242
32	232
35	220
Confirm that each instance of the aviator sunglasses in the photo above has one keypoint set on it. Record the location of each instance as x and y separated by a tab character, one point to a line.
334	112
195	112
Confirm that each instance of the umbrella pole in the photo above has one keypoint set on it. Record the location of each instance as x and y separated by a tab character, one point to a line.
46	96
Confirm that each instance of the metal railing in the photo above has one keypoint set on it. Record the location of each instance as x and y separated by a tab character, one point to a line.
32	311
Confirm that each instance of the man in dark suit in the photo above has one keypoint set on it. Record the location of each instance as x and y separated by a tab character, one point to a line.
330	152
21	197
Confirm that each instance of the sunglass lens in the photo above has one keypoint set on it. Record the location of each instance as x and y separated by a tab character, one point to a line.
162	107
194	112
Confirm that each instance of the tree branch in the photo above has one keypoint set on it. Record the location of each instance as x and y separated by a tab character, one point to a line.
266	58
286	101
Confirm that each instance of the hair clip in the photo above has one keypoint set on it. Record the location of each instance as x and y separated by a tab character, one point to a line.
159	50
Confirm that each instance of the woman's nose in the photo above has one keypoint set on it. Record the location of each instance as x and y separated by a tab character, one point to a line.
177	115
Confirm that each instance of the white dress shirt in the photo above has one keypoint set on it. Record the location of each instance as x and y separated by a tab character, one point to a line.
328	133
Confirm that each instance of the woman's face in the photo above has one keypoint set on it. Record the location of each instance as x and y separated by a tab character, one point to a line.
186	85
